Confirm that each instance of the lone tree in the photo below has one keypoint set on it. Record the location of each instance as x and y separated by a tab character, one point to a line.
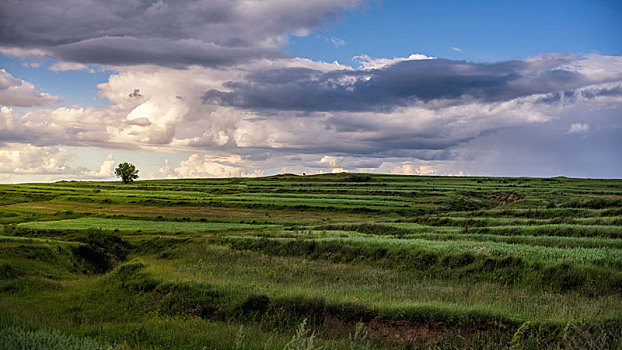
127	172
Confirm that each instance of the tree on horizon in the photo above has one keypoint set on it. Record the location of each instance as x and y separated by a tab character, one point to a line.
127	172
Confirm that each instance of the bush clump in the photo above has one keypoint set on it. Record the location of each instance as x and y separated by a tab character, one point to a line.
101	250
188	299
8	272
358	178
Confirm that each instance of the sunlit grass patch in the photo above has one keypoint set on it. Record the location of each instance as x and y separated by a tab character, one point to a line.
136	225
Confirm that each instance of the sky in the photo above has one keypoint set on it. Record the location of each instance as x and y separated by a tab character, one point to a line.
230	88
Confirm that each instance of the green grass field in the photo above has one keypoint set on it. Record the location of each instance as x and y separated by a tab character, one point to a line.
338	261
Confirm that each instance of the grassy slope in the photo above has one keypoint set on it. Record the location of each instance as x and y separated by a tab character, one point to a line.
425	261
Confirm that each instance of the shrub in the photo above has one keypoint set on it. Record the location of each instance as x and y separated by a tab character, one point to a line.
254	305
101	250
188	299
8	272
297	308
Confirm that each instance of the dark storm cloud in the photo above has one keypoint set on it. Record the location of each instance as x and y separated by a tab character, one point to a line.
612	92
375	135
399	84
164	32
179	53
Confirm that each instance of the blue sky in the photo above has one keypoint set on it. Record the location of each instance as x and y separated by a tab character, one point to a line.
484	30
76	87
234	88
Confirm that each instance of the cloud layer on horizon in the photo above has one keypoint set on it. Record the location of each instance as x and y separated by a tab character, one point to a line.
158	108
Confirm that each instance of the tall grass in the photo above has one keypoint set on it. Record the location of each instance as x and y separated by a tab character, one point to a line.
12	338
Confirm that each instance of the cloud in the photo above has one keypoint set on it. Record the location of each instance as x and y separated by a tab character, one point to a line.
149	107
68	66
349	163
105	171
55	162
410	169
337	42
579	128
61	126
208	166
166	171
18	158
165	52
22	52
549	149
330	161
410	81
366	62
614	91
457	49
162	109
166	32
19	93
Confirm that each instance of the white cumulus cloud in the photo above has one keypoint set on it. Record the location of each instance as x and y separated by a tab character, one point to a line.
20	93
410	169
18	158
105	171
68	66
209	166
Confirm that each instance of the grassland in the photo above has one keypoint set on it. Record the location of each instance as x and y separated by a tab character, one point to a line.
340	261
